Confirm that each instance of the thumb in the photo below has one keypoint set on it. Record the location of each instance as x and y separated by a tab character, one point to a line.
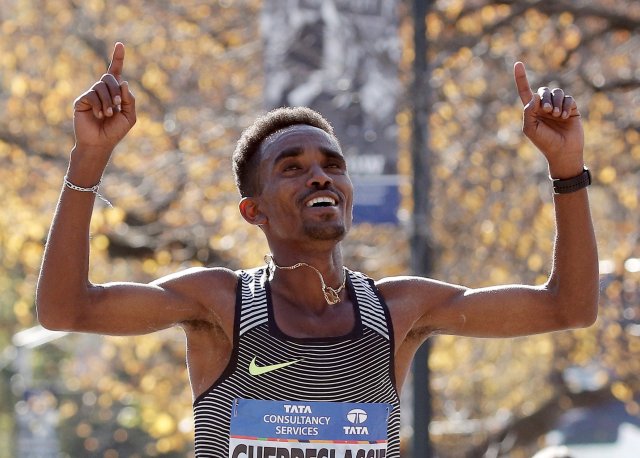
128	106
534	104
529	119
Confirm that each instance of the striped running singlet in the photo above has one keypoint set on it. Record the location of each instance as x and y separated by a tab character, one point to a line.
283	380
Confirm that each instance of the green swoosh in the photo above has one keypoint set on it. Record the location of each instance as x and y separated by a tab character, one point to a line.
254	369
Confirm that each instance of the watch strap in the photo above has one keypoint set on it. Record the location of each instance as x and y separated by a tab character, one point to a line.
572	184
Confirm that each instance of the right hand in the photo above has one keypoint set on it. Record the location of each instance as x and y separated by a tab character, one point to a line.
105	113
553	123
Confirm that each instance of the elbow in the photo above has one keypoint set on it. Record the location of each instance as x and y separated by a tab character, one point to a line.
48	323
61	309
585	319
65	312
54	315
49	319
593	312
581	313
575	308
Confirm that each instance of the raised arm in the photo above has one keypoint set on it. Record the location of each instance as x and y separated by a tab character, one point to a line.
65	297
569	298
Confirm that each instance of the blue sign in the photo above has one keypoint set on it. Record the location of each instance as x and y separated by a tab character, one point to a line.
310	420
376	199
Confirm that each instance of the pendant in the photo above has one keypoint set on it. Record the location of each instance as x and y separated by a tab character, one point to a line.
331	295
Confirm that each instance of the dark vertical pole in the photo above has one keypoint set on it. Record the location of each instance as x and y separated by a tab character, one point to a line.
421	250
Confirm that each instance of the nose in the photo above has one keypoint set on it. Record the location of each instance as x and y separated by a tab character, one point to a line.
318	178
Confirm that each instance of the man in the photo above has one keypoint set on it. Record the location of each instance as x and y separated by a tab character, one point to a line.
303	357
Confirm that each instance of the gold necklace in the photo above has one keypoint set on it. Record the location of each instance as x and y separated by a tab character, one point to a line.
331	295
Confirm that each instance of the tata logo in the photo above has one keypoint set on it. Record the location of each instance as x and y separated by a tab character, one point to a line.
292	408
356	417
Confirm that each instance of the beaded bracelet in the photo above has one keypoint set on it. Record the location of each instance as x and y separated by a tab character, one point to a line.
93	189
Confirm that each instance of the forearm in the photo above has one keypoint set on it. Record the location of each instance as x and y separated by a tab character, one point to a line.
63	285
574	280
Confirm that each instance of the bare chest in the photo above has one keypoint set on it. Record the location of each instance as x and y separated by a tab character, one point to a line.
300	322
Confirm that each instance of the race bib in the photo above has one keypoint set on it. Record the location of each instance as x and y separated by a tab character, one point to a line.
286	429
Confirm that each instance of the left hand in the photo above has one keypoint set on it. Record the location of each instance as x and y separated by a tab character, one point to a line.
553	123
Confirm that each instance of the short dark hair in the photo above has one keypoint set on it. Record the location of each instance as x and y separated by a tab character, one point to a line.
244	165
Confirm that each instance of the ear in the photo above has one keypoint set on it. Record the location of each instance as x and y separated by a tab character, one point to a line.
250	212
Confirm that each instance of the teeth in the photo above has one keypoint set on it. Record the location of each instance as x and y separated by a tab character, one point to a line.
321	200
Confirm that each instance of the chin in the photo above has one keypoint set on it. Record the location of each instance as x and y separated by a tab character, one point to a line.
326	232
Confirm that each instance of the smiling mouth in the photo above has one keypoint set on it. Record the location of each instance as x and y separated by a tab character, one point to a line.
322	202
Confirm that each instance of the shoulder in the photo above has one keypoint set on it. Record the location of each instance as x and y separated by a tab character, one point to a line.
205	277
409	288
417	296
214	289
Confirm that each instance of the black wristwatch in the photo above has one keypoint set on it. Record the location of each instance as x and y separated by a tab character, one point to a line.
572	184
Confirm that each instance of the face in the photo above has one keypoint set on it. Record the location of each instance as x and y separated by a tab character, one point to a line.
305	189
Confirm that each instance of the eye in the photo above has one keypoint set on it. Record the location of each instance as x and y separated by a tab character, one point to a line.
336	166
291	167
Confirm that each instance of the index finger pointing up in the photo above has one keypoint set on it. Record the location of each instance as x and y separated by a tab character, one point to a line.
117	61
522	83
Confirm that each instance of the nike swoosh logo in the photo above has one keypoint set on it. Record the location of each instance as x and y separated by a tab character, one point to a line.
254	369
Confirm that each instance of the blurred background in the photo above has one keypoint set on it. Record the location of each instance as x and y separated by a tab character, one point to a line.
201	71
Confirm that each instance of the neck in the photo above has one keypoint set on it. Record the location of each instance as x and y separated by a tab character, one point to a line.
301	277
324	256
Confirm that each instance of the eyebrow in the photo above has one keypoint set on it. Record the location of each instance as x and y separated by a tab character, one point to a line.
296	151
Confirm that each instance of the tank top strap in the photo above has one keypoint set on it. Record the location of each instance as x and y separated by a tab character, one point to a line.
373	309
252	306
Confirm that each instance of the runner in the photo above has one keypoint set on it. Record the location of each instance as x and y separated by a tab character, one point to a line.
302	357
